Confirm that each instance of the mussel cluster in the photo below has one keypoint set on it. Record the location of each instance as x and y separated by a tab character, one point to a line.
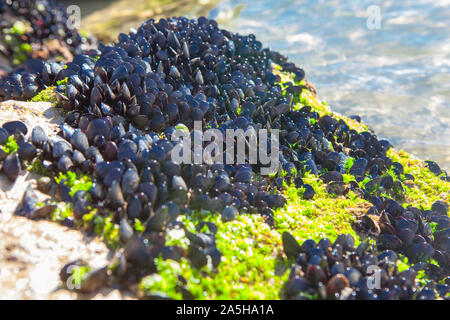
409	230
11	160
40	29
338	270
124	101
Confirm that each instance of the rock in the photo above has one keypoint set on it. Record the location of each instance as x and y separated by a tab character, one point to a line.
33	253
44	184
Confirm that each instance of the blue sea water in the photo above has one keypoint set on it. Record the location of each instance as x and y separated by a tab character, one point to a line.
395	74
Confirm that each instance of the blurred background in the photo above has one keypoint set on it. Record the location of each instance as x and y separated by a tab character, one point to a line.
387	61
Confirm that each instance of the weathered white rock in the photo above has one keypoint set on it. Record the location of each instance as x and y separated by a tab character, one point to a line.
32	253
32	114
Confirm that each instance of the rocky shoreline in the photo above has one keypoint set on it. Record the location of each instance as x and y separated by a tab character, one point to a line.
343	203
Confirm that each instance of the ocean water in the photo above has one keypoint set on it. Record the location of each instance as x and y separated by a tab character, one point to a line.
395	74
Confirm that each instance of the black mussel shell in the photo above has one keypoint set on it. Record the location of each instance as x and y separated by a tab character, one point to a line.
13	126
11	166
290	245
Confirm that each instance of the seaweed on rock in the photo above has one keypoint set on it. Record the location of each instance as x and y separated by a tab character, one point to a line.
209	230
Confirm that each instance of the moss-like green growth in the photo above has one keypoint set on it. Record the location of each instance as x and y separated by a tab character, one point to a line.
19	28
13	38
422	278
423	191
326	215
92	221
79	274
46	95
63	211
349	163
107	230
307	98
75	181
251	254
62	82
138	226
402	263
253	264
10	145
37	167
25	47
103	227
165	282
426	187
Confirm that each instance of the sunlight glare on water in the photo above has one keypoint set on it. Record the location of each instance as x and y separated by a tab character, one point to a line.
397	77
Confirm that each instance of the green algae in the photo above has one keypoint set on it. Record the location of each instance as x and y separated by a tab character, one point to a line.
62	82
46	95
426	187
62	211
106	229
138	226
326	215
10	145
251	252
13	38
18	28
76	182
37	167
79	275
253	265
307	98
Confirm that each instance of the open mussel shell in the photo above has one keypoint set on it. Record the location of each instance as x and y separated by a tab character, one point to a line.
336	285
